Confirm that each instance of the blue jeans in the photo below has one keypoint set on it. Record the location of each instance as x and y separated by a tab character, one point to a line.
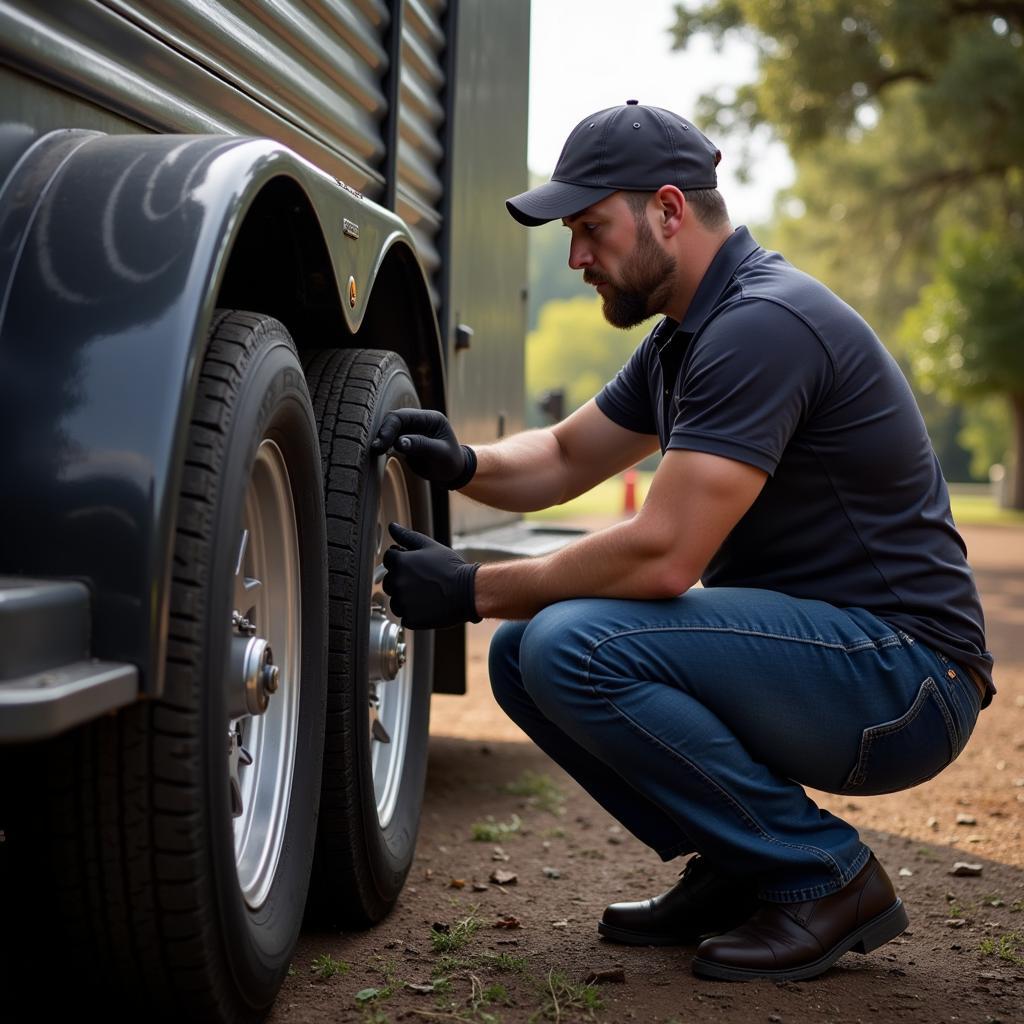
697	720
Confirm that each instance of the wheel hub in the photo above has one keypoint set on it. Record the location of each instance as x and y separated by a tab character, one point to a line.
255	674
387	647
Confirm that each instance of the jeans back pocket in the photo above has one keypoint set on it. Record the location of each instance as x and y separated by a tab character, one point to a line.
908	750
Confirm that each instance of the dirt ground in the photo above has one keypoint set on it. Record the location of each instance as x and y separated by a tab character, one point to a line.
460	947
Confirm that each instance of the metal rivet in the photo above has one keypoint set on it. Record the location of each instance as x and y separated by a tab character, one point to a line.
592	125
636	124
685	127
352	291
951	674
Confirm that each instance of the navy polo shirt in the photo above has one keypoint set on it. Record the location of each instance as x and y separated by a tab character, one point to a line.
770	368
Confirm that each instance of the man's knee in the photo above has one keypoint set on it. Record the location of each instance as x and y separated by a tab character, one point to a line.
551	653
503	662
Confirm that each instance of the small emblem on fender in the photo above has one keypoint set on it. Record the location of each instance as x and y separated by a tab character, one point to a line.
351	228
352	291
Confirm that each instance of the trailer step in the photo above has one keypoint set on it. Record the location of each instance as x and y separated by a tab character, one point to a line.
48	682
515	540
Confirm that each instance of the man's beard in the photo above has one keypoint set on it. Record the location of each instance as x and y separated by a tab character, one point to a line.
645	285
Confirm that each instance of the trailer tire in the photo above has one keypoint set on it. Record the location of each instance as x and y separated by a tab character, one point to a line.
374	771
167	902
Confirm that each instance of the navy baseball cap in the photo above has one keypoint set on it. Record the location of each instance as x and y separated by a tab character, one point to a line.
632	147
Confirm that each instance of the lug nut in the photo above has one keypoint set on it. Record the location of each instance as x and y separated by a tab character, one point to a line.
271	678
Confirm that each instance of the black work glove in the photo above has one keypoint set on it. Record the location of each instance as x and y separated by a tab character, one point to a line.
430	586
426	439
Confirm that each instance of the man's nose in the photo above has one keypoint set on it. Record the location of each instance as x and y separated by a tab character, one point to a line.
579	256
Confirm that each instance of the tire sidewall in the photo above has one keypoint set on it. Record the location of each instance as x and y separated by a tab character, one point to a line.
273	402
390	850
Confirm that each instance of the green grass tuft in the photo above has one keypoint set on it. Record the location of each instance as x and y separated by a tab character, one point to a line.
456	937
491	831
326	967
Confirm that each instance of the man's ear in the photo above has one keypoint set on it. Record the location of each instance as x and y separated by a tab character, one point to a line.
670	205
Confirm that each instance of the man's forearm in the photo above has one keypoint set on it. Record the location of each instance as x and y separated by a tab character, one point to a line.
522	473
623	561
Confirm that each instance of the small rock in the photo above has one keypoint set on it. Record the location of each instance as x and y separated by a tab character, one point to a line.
932	823
552	873
955	922
966	819
508	921
1000	766
559	924
441	926
428	874
975	839
774	1018
480	887
615	975
906	873
421	988
964	869
956	946
457	883
499	854
989	976
501	877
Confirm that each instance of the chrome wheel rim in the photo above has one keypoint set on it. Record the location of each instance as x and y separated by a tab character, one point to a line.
391	656
267	604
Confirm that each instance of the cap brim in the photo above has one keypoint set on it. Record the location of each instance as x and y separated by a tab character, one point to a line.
552	201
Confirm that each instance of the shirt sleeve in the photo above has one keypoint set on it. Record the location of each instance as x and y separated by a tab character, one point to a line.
754	375
626	398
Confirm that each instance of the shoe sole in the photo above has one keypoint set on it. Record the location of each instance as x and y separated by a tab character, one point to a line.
877	932
631	938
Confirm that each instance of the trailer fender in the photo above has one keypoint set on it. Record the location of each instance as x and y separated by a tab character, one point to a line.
113	251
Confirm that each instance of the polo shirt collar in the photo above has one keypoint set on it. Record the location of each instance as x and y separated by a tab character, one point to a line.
736	248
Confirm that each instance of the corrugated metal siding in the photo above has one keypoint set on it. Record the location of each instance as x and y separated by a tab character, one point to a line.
323	66
319	65
312	73
419	191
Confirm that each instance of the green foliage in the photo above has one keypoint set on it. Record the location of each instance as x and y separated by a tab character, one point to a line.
1008	947
491	831
539	789
575	348
326	967
561	995
986	434
903	120
457	936
550	276
970	317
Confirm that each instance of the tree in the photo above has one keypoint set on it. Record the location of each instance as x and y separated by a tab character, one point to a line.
550	276
970	321
575	348
903	119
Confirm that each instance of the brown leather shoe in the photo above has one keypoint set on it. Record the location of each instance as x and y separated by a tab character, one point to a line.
789	941
703	902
